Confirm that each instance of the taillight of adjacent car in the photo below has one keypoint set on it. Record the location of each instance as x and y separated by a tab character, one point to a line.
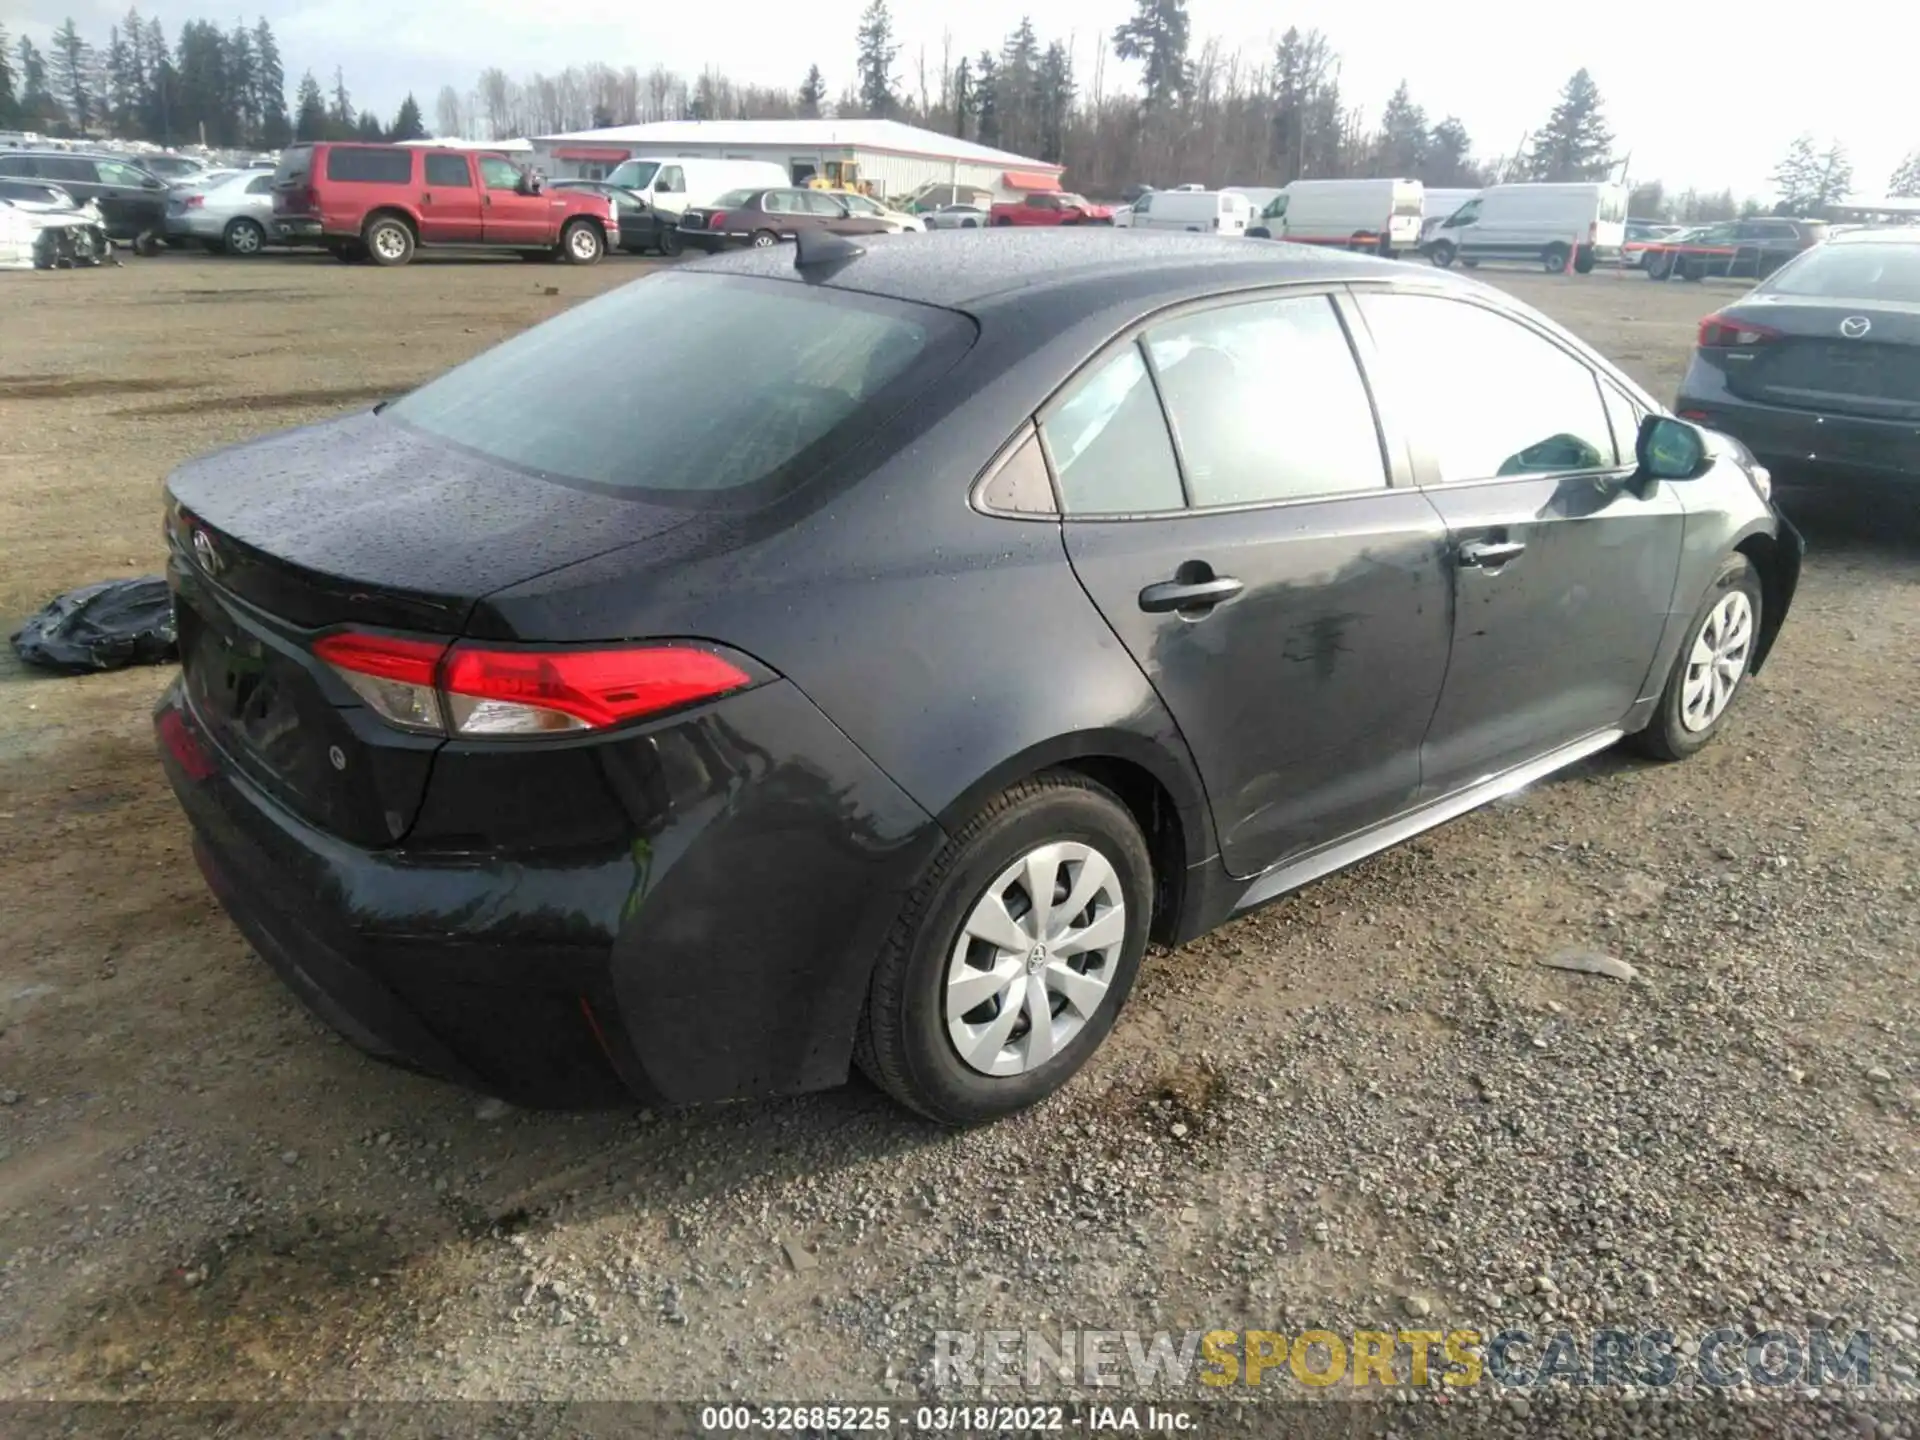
462	689
1718	332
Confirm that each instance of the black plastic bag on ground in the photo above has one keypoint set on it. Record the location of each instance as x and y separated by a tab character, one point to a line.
102	627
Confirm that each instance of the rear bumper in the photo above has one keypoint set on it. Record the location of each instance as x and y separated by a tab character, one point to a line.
712	242
720	949
297	229
1806	447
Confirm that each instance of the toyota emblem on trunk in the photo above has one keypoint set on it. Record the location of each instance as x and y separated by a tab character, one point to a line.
204	552
1854	326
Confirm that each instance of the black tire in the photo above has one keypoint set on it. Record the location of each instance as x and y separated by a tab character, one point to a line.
1694	270
1553	259
348	252
1442	255
1470	264
146	244
902	1042
1002	220
214	247
670	241
969	224
244	237
388	240
1583	261
582	243
1666	736
1658	267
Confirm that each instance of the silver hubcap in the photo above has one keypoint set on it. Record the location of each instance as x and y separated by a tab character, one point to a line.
585	245
1035	958
763	241
246	239
1717	661
390	241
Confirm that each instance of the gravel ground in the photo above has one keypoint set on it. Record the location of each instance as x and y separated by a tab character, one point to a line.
1369	1107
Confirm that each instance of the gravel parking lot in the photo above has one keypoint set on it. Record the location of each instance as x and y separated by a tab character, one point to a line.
1366	1106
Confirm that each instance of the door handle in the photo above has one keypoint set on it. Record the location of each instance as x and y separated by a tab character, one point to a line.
1490	554
426	197
1197	595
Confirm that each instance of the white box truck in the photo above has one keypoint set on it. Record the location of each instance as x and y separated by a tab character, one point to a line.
1535	221
1380	216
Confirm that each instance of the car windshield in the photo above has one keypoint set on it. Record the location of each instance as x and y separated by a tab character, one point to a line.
1868	270
750	387
735	198
1067	197
634	174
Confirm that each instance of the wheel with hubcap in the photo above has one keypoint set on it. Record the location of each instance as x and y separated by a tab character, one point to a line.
581	243
1658	267
669	240
1714	659
1013	954
764	239
389	241
1553	259
244	237
1442	255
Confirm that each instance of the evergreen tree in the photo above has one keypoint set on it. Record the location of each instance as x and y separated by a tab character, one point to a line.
162	86
310	110
203	97
876	52
368	127
9	100
1796	179
1575	143
1301	63
1905	181
73	69
341	115
1016	90
1157	37
962	96
37	107
1833	179
1404	138
270	89
1055	102
985	103
1449	157
243	84
407	125
123	86
813	94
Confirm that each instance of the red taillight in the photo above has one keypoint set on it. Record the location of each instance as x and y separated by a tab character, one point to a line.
716	219
194	202
426	686
1717	332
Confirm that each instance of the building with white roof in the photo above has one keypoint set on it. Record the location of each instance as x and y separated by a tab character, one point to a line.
898	159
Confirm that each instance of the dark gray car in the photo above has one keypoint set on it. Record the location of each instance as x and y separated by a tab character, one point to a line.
132	200
1817	368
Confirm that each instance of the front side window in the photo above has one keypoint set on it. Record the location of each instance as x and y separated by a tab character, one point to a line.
1143	206
1111	451
1267	402
1484	395
1465	215
672	181
826	206
809	373
112	172
498	174
449	172
634	174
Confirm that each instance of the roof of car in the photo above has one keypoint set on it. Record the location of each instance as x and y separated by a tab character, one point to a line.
959	271
1885	235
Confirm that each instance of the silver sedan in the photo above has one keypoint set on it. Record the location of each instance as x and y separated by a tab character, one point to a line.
233	216
955	217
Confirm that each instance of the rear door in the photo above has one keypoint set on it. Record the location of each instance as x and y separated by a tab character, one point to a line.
1563	572
1227	504
507	215
449	200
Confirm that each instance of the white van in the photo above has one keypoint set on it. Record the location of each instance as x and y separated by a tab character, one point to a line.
1535	221
673	183
1381	216
1437	204
1214	212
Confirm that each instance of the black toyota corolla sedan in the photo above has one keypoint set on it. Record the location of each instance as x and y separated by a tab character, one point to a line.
1817	369
872	678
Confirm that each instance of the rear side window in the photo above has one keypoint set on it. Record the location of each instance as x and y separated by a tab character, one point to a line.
1485	396
449	171
354	164
1111	451
808	374
260	185
17	165
1267	402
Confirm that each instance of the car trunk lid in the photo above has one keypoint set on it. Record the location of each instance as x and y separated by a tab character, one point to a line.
1840	357
360	523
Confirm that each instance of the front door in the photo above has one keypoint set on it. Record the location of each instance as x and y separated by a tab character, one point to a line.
449	201
508	214
1287	603
1563	568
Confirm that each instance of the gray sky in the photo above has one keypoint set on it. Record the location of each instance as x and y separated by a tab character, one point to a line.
1709	95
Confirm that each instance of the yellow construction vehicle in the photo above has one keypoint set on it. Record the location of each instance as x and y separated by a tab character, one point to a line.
842	175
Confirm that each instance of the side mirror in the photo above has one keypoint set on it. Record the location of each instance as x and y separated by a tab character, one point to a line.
1670	449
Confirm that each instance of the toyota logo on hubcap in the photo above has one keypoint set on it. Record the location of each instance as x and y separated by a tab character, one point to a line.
1854	326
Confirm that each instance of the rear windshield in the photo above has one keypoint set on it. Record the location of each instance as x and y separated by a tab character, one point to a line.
749	386
634	174
1839	271
735	198
296	163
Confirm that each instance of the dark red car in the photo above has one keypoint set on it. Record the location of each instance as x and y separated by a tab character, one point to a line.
382	202
766	217
1051	207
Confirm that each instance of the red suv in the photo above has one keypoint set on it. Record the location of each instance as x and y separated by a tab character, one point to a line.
382	202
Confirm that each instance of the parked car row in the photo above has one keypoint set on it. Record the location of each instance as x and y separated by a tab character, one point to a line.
1751	249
